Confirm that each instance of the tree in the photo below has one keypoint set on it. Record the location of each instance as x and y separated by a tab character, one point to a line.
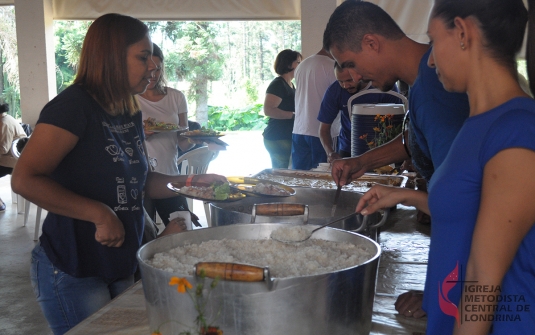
9	65
69	39
195	57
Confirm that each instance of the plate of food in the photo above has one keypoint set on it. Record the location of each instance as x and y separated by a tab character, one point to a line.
151	124
203	133
216	192
260	187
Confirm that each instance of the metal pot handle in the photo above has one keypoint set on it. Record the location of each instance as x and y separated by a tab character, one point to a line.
386	213
279	209
232	271
365	219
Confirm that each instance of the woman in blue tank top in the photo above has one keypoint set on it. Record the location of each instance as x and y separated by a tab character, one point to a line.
481	270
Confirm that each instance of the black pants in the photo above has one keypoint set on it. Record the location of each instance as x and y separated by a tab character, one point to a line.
164	207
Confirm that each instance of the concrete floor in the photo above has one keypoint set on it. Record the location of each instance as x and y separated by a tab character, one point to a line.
19	312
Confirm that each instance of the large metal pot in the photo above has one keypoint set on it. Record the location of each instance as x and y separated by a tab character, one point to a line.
339	302
319	202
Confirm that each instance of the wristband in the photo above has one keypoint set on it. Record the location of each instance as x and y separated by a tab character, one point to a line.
189	180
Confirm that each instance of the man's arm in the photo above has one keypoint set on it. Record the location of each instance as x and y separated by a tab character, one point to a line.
327	142
347	169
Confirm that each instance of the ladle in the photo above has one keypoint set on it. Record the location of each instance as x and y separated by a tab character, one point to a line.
315	230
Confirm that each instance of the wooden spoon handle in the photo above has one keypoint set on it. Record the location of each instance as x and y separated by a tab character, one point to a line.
230	271
280	209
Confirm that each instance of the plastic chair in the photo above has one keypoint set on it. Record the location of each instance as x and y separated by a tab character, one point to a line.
16	148
196	161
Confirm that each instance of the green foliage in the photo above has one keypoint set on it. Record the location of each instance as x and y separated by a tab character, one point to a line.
12	97
225	119
250	89
69	39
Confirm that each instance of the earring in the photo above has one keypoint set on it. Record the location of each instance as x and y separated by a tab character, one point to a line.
462	45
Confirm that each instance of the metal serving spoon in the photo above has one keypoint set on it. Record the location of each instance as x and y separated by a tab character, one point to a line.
314	230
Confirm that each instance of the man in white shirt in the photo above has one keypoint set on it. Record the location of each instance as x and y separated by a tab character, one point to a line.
312	78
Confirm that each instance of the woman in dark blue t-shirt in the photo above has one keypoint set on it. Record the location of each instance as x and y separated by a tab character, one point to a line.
279	105
86	165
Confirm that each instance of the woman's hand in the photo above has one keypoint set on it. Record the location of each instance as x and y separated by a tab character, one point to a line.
380	196
208	179
177	225
148	133
110	230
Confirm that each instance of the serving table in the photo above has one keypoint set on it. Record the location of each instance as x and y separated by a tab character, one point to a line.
402	267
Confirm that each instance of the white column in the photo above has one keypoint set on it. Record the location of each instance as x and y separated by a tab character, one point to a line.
314	17
35	40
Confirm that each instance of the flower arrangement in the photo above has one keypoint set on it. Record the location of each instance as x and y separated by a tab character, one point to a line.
383	133
200	297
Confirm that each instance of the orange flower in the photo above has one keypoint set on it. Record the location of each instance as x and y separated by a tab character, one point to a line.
182	284
376	129
156	332
389	127
363	137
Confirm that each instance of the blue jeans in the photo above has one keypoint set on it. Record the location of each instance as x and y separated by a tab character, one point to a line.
307	152
279	151
66	300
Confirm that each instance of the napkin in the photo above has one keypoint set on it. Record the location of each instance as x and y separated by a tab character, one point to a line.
182	214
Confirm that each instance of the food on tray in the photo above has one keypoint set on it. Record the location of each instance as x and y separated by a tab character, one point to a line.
203	132
312	257
324	180
216	191
270	189
151	124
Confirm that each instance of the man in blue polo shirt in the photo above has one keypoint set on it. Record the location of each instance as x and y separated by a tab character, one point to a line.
335	102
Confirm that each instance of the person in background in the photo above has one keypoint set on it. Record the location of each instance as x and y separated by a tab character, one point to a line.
363	38
335	103
279	106
10	130
312	78
481	263
86	165
164	104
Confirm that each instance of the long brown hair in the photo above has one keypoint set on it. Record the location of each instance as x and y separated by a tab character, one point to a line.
102	70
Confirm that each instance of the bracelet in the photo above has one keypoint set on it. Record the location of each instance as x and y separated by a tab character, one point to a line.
189	180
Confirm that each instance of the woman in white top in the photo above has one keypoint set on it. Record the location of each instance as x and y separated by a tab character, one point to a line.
167	105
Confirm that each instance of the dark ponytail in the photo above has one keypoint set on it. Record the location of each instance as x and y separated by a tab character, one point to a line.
530	48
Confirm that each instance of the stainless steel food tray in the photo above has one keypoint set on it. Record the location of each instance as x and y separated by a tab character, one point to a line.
324	180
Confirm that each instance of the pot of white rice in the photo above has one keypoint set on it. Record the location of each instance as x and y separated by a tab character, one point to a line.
325	285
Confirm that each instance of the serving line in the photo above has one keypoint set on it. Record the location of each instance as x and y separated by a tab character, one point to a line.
402	267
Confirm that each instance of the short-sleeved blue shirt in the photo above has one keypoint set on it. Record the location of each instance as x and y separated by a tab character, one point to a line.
335	101
454	200
107	164
435	119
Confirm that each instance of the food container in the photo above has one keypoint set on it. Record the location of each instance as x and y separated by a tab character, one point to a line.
339	302
319	203
324	180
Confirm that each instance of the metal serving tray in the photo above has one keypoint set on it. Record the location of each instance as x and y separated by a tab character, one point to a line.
324	180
